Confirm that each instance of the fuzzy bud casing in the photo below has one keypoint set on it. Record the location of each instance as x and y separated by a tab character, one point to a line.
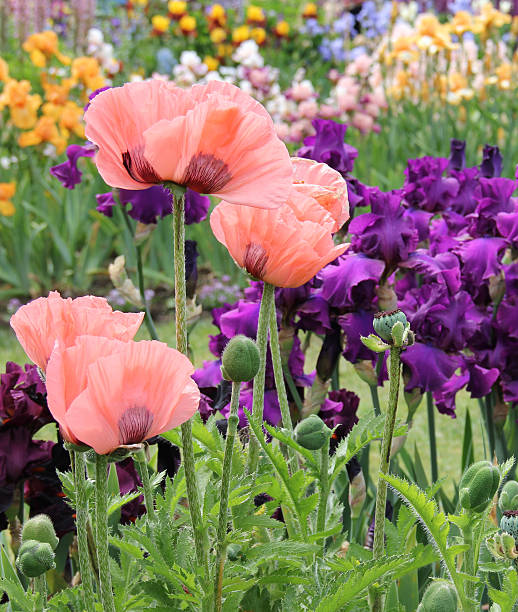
312	433
35	558
478	485
440	596
41	529
240	360
508	500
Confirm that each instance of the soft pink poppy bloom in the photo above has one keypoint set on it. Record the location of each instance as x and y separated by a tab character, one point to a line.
286	246
105	393
41	322
325	185
212	138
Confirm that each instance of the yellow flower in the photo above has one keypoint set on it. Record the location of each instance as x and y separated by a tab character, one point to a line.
160	23
187	24
23	107
240	34
217	13
176	8
282	29
310	10
259	35
212	63
218	35
41	46
87	71
504	72
255	14
57	93
223	51
4	70
463	22
44	131
7	191
490	17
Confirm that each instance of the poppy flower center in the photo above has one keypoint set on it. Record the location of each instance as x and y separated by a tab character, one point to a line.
134	425
206	173
138	167
255	260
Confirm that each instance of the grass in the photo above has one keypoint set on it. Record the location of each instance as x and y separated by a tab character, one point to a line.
449	432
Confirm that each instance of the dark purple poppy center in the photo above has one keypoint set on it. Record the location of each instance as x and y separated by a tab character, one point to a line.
134	425
138	167
255	260
206	173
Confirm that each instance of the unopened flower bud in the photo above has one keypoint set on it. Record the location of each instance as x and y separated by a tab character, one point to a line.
357	487
329	354
240	360
508	500
312	433
509	523
440	596
234	552
478	485
41	529
366	372
385	321
35	558
502	546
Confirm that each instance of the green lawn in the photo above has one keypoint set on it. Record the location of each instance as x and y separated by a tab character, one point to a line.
449	431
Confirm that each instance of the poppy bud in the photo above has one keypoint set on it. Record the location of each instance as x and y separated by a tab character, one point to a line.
509	523
478	485
41	529
234	552
240	360
509	496
440	596
502	546
312	433
384	323
35	558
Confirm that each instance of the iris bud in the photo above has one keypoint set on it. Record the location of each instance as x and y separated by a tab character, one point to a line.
509	523
35	558
384	323
440	596
478	485
312	433
240	360
509	496
41	529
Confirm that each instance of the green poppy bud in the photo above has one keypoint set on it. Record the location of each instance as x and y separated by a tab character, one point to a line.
312	433
478	485
440	596
35	558
502	546
41	529
234	552
384	322
509	496
240	360
509	523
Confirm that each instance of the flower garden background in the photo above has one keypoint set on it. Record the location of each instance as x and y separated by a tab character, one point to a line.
259	289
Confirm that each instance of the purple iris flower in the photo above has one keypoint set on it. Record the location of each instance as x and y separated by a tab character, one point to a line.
429	367
328	146
271	412
355	325
491	165
466	199
457	158
507	225
313	315
443	268
495	198
481	258
351	283
242	319
444	398
340	410
68	173
129	482
481	379
425	186
507	315
386	233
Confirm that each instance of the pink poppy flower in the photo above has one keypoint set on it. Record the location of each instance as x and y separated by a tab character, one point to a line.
325	185
212	138
106	393
284	247
41	322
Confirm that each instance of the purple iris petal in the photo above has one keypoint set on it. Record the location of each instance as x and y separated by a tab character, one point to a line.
356	324
507	225
466	199
507	315
105	203
491	165
313	315
240	320
68	173
328	146
443	268
481	258
511	278
271	412
340	411
457	159
480	379
495	198
510	390
430	368
445	397
147	205
196	207
352	282
209	375
425	187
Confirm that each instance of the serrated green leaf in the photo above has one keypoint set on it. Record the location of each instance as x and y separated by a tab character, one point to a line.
256	520
289	441
127	547
508	596
282	550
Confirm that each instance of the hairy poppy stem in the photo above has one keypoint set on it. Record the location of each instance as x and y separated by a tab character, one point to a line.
200	535
141	459
101	519
258	399
85	566
233	421
40	586
381	496
324	489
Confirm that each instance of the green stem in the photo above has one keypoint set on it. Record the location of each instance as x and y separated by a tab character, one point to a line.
469	560
140	275
141	459
221	546
324	488
293	389
101	520
85	566
381	496
490	422
40	586
200	536
431	435
258	399
279	380
375	399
